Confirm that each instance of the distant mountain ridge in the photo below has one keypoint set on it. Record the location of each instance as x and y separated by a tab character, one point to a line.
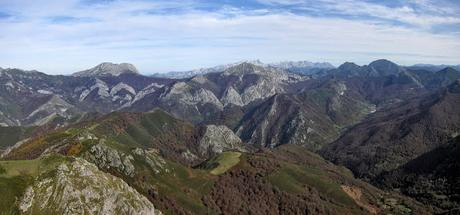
302	67
34	98
203	71
433	67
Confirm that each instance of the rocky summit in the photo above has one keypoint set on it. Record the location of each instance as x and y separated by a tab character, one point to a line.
293	137
106	69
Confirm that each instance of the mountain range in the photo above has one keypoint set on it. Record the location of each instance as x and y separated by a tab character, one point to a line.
302	67
242	138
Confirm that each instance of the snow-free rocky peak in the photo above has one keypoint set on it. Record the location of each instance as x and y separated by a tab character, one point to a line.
385	67
106	69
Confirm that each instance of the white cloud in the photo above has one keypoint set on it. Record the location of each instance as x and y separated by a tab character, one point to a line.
424	14
282	2
403	14
161	42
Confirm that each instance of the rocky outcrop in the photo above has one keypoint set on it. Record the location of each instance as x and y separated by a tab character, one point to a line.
218	139
153	159
285	119
187	95
122	93
231	96
106	158
79	187
102	90
266	81
262	89
151	88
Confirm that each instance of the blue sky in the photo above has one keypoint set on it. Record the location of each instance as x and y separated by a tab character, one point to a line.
65	36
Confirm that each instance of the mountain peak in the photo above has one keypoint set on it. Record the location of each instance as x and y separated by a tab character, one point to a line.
383	64
448	70
381	61
385	67
348	66
107	68
256	62
244	68
305	64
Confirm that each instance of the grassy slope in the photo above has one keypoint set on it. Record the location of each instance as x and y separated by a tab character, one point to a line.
223	162
155	129
293	176
11	189
306	169
19	167
139	130
16	175
35	147
186	186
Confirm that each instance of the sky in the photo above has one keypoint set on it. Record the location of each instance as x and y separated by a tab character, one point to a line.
66	36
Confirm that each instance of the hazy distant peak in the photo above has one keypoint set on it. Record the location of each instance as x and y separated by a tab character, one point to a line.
385	67
305	64
293	66
433	67
254	62
348	66
108	68
382	62
242	68
448	69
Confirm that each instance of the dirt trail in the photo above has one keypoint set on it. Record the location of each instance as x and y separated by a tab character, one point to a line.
355	194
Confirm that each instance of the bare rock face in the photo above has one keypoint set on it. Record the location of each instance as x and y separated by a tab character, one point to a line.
105	158
258	82
188	95
102	90
218	139
55	106
105	69
231	96
79	187
149	89
153	159
204	97
301	119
